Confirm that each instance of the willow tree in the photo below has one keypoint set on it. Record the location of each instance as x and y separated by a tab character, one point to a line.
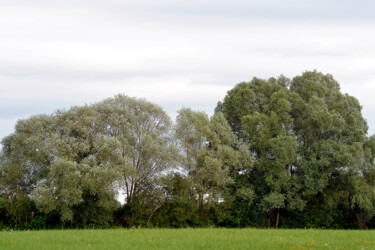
84	168
333	136
259	112
308	139
143	133
211	155
74	161
25	158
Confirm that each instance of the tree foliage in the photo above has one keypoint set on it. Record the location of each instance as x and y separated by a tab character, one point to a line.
211	154
82	156
308	138
277	152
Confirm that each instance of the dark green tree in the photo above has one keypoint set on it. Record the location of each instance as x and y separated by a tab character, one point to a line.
308	139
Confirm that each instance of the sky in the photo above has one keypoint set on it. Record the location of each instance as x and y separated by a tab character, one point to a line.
56	54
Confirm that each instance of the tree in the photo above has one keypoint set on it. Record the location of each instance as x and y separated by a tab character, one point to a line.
25	157
85	164
179	207
307	137
268	129
143	133
212	154
77	159
332	135
14	198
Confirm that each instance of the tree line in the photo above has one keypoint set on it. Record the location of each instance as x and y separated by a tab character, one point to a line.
291	153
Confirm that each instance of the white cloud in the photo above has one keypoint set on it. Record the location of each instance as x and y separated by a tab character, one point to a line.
54	55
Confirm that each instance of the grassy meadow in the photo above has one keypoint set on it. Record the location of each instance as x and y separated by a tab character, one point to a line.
188	239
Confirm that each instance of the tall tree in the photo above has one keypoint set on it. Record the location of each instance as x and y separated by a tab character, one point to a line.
84	166
74	161
268	129
212	154
143	133
307	137
332	136
25	159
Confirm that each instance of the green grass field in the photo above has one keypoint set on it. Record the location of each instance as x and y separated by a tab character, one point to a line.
188	239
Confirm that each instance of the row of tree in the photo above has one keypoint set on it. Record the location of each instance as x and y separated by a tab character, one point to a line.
278	152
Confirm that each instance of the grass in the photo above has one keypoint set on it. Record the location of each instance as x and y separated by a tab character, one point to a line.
188	239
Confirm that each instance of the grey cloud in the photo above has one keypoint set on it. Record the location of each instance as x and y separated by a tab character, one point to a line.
266	9
14	110
290	10
55	54
72	75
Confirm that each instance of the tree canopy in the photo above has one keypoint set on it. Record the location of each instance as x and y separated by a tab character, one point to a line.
276	153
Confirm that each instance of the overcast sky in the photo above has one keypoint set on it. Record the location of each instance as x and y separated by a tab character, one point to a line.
55	54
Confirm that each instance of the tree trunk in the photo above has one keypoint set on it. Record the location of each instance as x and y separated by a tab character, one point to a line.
209	198
200	199
153	212
277	219
361	221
